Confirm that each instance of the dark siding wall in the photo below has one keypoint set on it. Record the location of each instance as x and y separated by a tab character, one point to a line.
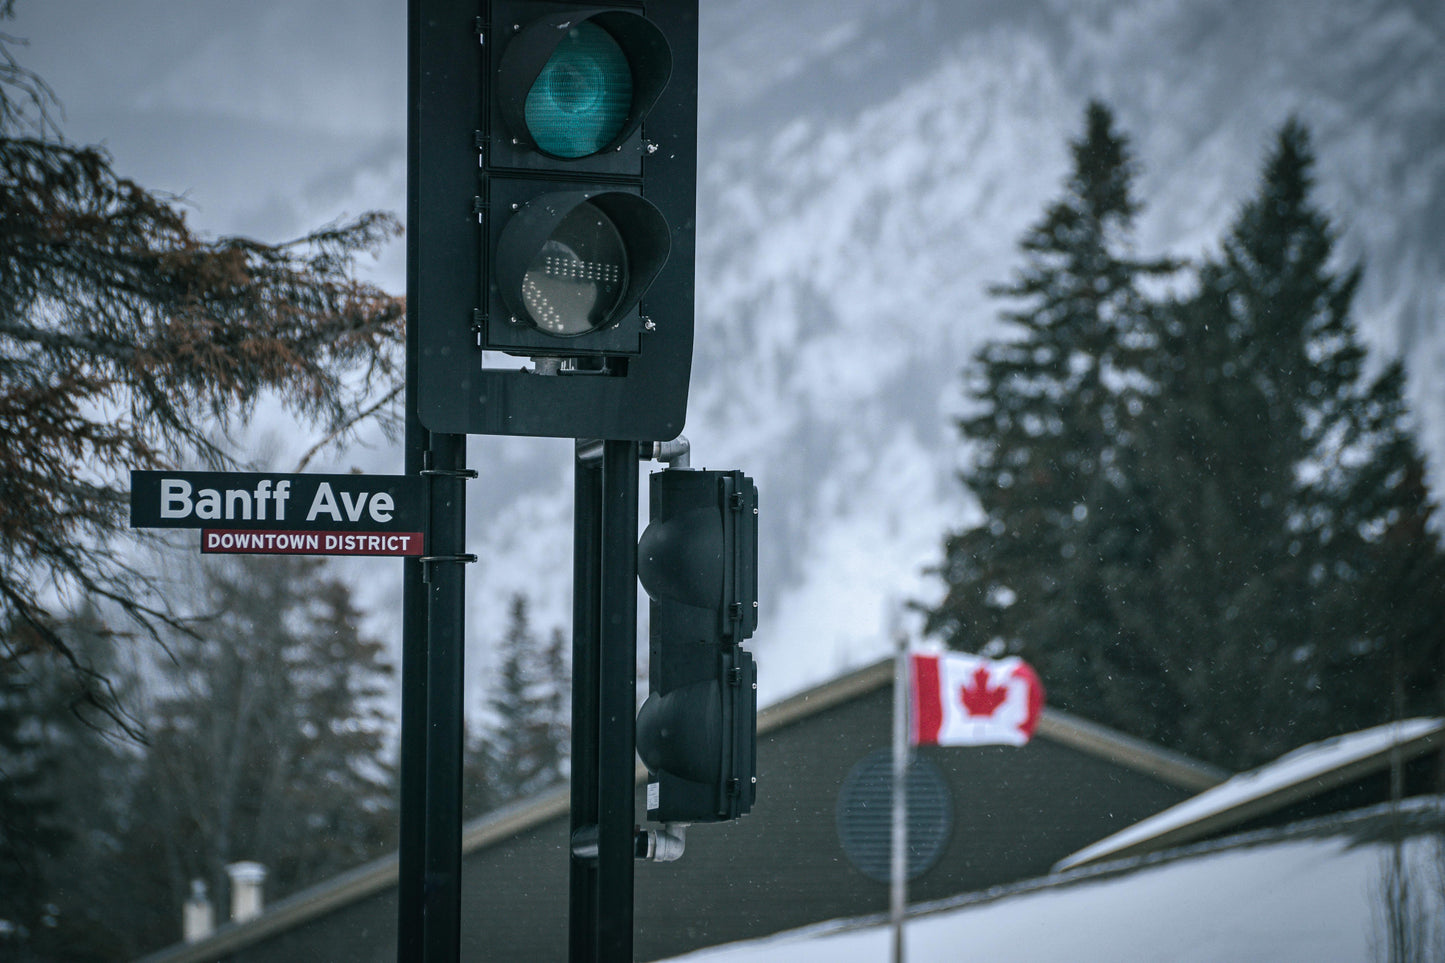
364	932
514	908
1016	812
779	867
514	899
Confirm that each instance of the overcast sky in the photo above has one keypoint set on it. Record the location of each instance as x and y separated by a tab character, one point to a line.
270	117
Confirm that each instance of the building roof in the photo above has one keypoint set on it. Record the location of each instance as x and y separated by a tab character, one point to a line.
368	879
1305	772
1311	892
1055	725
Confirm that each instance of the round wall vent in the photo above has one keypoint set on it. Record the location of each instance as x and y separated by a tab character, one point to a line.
865	815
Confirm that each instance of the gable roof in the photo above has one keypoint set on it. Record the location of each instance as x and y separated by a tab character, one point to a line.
1297	775
478	834
1055	725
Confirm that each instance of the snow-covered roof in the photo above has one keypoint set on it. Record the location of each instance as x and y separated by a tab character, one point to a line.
1294	776
1314	893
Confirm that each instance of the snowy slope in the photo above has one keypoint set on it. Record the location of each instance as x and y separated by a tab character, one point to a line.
866	177
866	168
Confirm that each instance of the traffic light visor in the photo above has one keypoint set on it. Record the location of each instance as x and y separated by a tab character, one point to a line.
704	733
681	558
682	732
700	547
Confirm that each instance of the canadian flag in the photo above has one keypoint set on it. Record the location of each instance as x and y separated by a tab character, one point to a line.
968	700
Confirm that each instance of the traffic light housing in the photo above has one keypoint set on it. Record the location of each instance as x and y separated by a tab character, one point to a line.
698	562
554	185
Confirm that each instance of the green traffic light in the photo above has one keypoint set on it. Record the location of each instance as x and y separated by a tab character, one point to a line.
583	96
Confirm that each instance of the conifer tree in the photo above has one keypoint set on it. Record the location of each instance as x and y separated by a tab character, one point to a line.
128	341
32	830
1285	489
523	747
1206	521
83	786
266	742
1048	442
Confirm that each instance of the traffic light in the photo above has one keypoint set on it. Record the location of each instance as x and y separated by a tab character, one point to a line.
565	306
698	561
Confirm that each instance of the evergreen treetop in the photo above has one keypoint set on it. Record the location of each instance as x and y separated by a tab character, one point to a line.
523	746
1047	442
1204	521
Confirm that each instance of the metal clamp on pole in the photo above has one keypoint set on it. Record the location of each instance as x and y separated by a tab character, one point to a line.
584	843
663	845
427	560
589	451
675	454
468	473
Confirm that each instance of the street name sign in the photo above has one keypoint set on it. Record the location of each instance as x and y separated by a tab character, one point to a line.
260	513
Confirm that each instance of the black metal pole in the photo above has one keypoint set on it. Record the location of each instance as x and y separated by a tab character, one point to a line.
411	803
586	634
446	602
411	806
617	702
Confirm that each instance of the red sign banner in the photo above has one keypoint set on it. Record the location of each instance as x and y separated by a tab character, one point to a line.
230	541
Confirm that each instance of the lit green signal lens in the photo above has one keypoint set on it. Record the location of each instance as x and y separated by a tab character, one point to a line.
583	95
578	277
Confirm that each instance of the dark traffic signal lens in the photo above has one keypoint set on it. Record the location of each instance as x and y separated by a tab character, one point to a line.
583	96
573	262
578	276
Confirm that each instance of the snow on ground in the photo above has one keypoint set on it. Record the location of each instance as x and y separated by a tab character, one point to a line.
1316	899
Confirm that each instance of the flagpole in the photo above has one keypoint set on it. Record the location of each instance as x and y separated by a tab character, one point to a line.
898	869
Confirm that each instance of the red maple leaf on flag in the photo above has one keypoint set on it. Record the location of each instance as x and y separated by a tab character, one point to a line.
981	699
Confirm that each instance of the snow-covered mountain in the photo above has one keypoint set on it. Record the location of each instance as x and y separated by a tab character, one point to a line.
866	167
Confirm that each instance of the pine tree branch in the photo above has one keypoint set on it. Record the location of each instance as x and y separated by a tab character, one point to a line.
347	426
